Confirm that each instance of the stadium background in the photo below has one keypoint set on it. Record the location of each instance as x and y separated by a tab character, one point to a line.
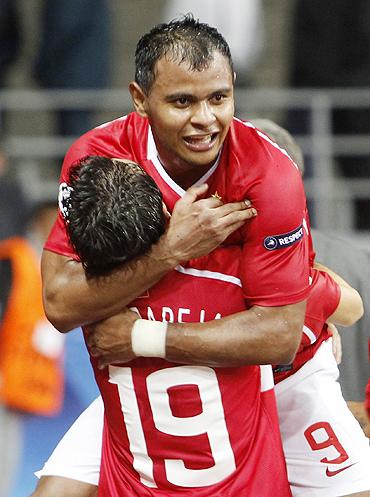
32	145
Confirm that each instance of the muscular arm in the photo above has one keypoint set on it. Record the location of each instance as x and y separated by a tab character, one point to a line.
195	229
260	335
71	299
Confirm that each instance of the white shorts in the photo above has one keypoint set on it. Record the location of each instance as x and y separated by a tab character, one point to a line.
78	454
326	451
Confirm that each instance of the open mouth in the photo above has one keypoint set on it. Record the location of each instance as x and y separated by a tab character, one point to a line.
200	142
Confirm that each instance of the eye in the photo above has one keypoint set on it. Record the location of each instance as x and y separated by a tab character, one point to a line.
182	102
218	98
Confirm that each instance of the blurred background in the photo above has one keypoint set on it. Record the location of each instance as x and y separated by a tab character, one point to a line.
64	68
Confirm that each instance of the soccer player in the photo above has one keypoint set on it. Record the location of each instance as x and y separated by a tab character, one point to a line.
312	381
171	428
88	240
183	133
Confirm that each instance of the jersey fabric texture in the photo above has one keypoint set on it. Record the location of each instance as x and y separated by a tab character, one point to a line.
276	246
326	450
274	271
194	429
322	302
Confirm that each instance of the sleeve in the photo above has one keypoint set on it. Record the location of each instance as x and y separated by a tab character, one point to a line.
276	254
324	296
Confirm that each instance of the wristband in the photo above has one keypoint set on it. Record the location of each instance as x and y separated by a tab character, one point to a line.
148	338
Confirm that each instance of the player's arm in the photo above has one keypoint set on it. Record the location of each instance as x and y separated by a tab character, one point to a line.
350	308
58	486
260	335
195	229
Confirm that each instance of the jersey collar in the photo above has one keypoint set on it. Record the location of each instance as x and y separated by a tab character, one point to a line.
152	155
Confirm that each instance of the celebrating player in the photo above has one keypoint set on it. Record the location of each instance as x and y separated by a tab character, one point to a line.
217	420
97	225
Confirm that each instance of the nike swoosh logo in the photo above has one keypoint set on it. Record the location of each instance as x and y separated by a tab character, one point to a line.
333	473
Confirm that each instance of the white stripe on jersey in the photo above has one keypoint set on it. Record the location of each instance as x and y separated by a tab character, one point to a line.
202	273
304	222
152	155
309	334
103	125
268	139
267	378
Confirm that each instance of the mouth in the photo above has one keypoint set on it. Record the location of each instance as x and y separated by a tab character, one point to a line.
201	143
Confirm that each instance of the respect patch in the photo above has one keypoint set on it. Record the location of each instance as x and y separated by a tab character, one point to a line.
275	242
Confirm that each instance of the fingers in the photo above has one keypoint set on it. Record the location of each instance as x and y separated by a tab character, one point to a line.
237	211
193	193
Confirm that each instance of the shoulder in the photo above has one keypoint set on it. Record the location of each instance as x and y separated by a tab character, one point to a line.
261	171
259	165
247	140
111	132
124	137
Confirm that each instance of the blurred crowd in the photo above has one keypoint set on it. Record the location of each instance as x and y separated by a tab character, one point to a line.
328	46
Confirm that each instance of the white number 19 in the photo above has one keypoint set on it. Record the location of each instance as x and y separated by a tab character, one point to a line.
210	421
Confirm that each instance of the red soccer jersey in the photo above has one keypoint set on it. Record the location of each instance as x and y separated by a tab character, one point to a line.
323	300
275	244
194	430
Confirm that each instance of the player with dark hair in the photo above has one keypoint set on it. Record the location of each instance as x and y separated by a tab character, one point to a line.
96	222
183	134
180	40
323	304
89	214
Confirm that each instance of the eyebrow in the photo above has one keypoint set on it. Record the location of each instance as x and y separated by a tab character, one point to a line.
190	96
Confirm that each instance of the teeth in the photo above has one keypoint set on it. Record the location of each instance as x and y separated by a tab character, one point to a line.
200	139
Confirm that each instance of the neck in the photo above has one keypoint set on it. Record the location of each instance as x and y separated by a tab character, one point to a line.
185	174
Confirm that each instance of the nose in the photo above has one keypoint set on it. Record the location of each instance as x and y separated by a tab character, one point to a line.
203	114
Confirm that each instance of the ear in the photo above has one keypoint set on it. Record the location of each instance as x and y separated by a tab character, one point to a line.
138	98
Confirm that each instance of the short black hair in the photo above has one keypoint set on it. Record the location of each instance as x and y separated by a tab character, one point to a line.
114	214
181	40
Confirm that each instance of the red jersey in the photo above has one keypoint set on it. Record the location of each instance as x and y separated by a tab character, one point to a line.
323	300
275	267
195	430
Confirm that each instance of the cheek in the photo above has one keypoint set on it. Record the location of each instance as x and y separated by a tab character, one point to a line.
227	114
169	126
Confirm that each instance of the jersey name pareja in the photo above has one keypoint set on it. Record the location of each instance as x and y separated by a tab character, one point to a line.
250	166
195	430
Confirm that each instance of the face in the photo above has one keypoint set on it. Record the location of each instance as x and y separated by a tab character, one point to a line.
190	113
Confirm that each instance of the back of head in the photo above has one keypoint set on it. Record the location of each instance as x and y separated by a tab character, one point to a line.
183	40
114	214
283	138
